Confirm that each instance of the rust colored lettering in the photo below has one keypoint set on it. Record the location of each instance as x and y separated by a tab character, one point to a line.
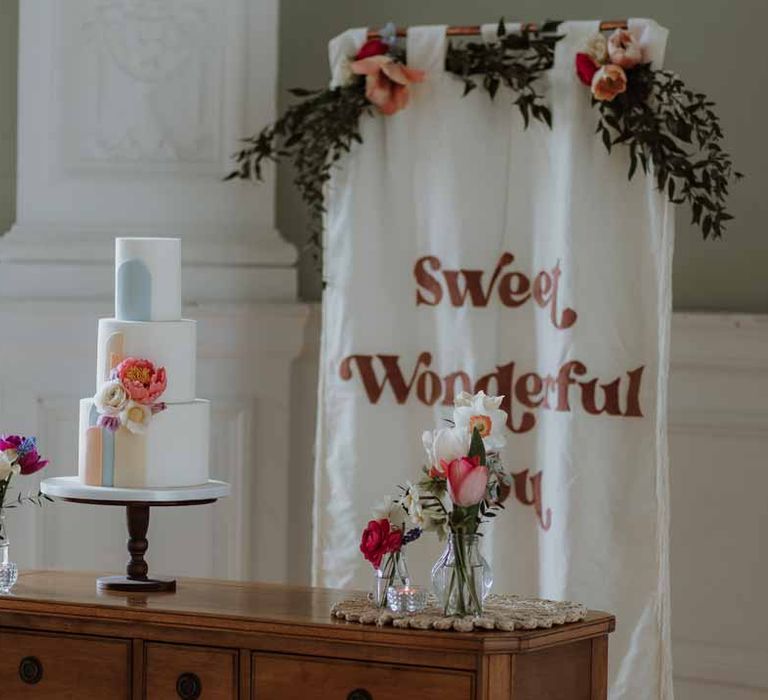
521	480
427	281
392	374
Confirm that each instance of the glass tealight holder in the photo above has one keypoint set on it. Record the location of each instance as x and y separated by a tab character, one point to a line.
406	599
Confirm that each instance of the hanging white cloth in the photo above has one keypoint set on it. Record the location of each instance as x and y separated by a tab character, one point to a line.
463	251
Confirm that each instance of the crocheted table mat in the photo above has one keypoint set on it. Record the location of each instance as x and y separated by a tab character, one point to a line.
500	612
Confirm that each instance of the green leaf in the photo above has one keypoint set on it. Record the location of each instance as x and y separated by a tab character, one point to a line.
302	92
476	446
607	140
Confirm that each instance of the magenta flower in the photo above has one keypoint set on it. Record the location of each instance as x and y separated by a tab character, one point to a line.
27	458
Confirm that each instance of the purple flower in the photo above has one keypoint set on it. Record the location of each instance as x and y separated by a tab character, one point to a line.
412	535
159	406
111	423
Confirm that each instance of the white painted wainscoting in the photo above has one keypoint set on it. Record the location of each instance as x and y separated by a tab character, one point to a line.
719	476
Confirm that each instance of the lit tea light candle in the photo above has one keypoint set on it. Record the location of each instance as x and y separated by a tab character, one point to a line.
406	599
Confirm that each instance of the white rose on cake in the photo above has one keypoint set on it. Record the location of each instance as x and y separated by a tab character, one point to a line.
111	398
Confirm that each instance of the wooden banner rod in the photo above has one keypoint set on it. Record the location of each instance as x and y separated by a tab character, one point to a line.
474	29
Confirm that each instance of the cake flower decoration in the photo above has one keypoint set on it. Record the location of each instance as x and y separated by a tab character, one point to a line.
129	398
141	379
136	417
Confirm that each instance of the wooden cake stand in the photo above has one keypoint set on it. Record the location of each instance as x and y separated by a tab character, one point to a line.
137	503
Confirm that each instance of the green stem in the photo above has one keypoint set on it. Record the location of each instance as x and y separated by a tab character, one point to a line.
466	579
390	569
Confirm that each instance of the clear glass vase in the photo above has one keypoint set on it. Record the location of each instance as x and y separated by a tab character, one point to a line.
392	572
461	577
8	570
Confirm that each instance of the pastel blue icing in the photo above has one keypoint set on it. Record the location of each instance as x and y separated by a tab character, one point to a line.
133	298
93	416
107	457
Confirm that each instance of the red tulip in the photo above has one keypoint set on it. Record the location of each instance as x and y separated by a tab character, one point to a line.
467	481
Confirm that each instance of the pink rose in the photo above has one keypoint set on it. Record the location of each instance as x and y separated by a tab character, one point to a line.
609	81
586	67
141	379
467	481
386	82
624	50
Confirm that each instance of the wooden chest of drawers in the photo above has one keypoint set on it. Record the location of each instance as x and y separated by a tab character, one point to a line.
60	638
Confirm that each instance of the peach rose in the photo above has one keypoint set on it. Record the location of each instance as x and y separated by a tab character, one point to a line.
609	81
624	50
386	82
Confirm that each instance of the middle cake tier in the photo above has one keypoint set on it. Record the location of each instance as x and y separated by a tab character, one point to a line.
169	344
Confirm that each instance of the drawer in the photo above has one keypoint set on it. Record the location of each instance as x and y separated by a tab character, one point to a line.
40	665
174	671
302	678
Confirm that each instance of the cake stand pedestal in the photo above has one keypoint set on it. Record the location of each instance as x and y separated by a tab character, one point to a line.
137	503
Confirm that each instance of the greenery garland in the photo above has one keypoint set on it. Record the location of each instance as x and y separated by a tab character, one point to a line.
670	131
672	128
316	132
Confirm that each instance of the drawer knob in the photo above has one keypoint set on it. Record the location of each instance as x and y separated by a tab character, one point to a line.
30	670
188	686
359	694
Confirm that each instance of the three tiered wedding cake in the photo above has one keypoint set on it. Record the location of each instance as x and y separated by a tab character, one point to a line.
144	428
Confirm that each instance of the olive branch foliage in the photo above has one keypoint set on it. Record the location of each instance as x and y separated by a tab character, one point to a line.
673	134
313	135
670	131
38	499
515	60
316	132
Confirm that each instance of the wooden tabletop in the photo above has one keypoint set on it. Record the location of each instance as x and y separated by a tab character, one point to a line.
256	607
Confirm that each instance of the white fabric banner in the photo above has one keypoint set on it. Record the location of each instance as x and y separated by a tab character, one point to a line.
465	252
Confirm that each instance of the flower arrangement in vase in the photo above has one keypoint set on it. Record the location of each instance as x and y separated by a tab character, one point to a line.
18	456
129	398
462	486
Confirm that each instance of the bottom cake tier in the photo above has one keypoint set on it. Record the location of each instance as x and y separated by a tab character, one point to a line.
171	452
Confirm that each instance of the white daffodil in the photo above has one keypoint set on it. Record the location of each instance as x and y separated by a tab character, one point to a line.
390	509
484	413
111	398
411	501
136	417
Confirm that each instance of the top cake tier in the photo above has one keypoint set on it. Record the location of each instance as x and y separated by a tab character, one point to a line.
147	279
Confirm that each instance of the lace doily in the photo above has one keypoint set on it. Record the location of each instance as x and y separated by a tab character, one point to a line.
500	612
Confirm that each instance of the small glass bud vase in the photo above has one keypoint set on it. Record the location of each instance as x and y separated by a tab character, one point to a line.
8	570
462	578
392	572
